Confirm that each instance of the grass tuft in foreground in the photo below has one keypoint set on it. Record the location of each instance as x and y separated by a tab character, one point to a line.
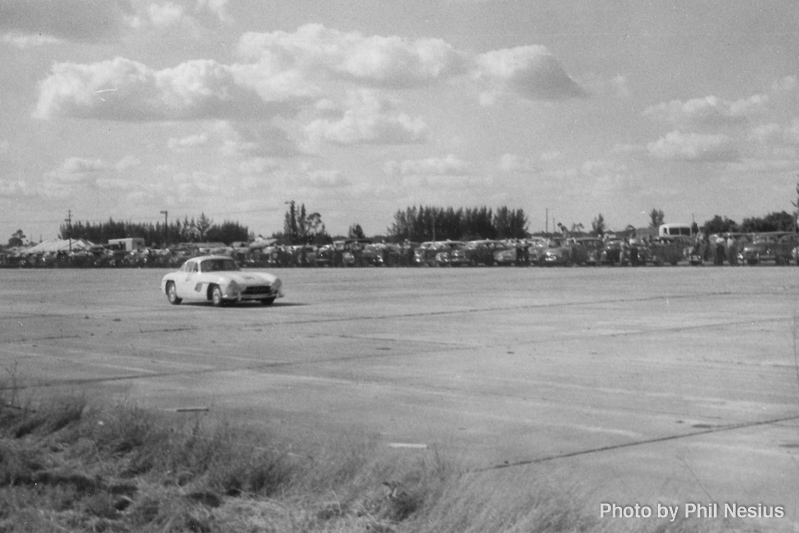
68	466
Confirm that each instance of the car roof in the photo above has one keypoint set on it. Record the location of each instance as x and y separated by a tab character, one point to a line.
206	257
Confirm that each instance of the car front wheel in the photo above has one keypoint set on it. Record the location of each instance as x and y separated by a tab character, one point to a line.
172	293
216	296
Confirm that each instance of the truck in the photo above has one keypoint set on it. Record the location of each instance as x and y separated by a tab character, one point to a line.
129	244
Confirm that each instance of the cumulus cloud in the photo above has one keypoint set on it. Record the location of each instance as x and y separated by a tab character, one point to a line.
281	73
530	72
383	61
709	111
698	147
121	89
165	15
368	119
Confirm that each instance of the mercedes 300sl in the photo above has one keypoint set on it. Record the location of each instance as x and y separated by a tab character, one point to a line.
219	280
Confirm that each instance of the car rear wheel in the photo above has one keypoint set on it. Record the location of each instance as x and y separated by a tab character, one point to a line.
268	301
216	296
172	293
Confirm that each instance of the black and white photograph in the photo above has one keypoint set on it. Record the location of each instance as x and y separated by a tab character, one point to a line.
434	266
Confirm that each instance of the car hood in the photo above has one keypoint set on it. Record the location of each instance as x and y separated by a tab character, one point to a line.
247	278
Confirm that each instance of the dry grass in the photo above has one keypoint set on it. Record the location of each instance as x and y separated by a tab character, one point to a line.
68	466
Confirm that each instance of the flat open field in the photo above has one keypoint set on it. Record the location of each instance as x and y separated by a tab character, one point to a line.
648	385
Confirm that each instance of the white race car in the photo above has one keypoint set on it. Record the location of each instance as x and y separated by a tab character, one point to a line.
219	280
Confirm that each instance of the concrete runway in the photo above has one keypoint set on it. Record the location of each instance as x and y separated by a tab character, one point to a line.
649	385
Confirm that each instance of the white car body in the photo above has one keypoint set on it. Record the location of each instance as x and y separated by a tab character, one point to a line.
217	279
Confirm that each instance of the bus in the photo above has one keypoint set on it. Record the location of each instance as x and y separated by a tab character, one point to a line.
675	230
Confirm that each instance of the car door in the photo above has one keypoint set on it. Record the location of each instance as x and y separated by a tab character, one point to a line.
186	280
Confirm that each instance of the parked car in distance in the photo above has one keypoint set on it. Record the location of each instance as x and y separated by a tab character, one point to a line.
614	252
505	255
481	252
590	250
219	280
669	250
452	253
776	247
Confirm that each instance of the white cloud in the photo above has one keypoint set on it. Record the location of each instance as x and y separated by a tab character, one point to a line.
164	15
315	52
680	146
368	119
384	61
121	89
530	72
709	111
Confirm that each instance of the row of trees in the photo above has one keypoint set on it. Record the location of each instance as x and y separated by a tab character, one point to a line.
425	223
777	221
201	229
417	224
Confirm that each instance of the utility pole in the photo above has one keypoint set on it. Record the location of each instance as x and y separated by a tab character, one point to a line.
546	222
166	227
68	220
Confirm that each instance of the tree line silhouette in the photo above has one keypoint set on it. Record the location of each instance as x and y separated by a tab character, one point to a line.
416	224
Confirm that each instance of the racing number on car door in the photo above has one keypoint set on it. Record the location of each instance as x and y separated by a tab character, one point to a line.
185	280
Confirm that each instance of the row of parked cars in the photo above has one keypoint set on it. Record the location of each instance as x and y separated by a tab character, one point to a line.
732	248
580	251
777	247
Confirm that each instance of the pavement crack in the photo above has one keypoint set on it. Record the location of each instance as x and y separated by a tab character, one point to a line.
590	451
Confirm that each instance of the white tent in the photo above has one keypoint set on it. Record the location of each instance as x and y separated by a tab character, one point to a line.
59	245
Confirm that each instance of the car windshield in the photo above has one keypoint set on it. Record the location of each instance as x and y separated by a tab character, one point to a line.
218	265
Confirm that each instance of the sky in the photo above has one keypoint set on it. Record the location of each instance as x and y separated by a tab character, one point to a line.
357	109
